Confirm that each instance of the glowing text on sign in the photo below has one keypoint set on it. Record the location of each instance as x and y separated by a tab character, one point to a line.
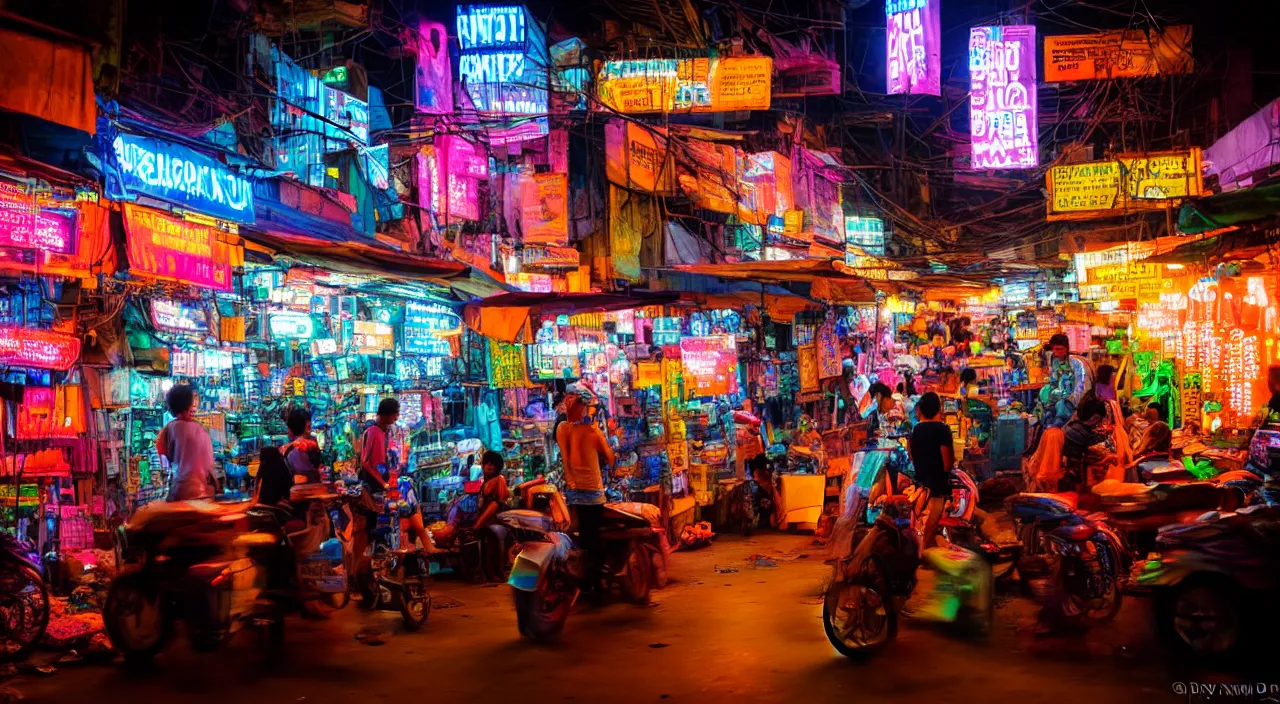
914	55
1002	97
502	64
183	177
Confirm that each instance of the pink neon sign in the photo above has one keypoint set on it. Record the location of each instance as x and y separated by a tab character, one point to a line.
1002	97
25	225
914	56
176	250
39	349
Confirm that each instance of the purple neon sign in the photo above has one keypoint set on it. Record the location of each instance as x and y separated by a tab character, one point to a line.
1002	97
914	62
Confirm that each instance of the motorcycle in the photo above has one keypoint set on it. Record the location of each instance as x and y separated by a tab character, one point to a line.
1216	581
863	603
24	599
400	576
219	568
1087	560
548	570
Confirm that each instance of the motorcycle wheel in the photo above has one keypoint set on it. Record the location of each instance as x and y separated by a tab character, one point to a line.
415	605
541	613
1200	617
1068	608
858	615
136	619
637	579
24	611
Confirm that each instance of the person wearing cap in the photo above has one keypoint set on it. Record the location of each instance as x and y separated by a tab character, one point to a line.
582	444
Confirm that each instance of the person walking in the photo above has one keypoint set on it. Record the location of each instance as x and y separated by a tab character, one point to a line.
933	456
582	444
188	448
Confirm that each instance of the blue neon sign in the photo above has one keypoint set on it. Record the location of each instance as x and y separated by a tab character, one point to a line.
182	176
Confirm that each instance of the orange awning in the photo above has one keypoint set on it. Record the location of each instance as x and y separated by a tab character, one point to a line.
508	317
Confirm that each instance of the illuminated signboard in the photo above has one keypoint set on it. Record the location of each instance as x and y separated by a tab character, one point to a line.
373	338
459	166
182	176
915	64
710	365
1100	189
39	349
702	84
433	79
178	316
291	326
324	346
503	62
423	323
1119	54
26	225
1002	97
167	248
311	119
865	234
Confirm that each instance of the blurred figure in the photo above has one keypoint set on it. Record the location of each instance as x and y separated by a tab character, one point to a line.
188	447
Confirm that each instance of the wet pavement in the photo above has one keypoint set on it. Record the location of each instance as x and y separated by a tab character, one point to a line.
728	628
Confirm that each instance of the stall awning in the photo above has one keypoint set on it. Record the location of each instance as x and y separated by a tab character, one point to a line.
1229	209
1236	245
358	258
508	317
793	270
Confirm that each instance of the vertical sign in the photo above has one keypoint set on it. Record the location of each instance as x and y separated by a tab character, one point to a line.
1002	97
503	60
545	215
914	61
433	82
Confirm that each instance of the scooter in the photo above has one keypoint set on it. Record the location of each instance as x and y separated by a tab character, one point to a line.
548	570
399	578
863	603
24	598
1216	581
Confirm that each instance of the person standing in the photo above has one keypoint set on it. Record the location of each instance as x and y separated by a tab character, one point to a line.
188	447
933	455
375	474
302	453
582	444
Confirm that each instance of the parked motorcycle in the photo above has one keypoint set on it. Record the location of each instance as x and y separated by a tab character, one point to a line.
400	577
869	586
1216	581
1087	559
24	598
549	569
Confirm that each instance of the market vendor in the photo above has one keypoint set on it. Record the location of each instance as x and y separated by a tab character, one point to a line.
1059	397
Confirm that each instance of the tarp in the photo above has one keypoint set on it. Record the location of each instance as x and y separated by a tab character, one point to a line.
801	270
1229	209
48	79
1251	146
508	317
1237	245
357	258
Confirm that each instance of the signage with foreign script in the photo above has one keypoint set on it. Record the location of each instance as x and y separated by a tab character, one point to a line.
182	176
503	60
373	338
1099	189
1002	97
164	247
38	349
1118	54
507	366
701	84
544	215
25	224
1145	289
710	365
914	47
423	323
178	316
636	157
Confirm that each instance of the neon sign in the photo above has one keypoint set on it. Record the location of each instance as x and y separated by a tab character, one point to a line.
312	119
1002	97
26	225
914	61
39	349
178	316
422	324
182	176
176	250
291	326
503	62
701	84
865	234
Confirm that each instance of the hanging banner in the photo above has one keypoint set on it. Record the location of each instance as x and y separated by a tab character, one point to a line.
507	366
829	359
1119	54
807	365
710	365
1002	97
544	216
182	176
914	47
632	218
38	349
1100	189
636	157
715	84
166	248
433	77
